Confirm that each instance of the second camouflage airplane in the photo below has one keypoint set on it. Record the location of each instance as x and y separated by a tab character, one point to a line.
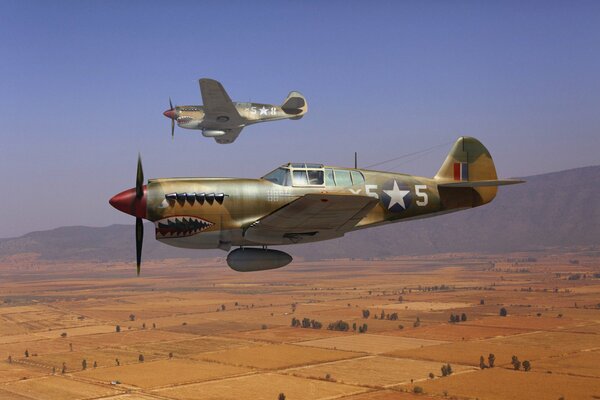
223	119
301	203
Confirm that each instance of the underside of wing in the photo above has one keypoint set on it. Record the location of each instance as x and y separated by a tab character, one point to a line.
311	217
229	136
217	105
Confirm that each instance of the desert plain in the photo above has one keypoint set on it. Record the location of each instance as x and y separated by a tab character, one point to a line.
194	329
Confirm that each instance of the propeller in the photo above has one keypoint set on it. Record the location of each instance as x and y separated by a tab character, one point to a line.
133	202
139	224
172	120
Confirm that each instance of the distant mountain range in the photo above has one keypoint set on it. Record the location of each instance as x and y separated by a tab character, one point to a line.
560	210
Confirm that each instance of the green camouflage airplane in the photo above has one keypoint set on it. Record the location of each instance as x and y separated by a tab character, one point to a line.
223	119
301	203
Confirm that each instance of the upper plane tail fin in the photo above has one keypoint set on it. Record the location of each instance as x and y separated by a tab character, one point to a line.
295	104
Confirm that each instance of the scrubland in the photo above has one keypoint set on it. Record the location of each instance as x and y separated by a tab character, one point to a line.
335	329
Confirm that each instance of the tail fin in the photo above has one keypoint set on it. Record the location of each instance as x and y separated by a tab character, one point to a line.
468	161
295	104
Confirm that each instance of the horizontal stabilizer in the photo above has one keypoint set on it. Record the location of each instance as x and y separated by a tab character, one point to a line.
295	104
495	182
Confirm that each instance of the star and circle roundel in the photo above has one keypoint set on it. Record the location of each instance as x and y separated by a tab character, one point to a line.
396	196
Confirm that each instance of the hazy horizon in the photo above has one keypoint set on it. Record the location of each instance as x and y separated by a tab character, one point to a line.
84	86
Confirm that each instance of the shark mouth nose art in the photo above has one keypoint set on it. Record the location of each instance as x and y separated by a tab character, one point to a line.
179	226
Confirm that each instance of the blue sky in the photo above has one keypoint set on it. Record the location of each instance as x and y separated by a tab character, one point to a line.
83	86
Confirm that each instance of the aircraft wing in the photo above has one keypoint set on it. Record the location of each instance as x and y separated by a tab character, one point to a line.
312	215
216	102
229	136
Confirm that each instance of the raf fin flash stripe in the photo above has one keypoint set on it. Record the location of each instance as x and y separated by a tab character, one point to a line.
461	171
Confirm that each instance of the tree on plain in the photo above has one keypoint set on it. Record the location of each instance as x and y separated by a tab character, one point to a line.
516	363
141	358
118	328
84	364
503	312
491	360
366	313
526	365
446	370
281	396
482	363
463	317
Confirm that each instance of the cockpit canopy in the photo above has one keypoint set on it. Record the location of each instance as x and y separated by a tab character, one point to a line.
309	175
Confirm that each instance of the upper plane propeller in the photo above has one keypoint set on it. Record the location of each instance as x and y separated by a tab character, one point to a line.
170	113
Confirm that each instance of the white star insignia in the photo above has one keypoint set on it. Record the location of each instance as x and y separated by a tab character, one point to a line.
396	196
263	111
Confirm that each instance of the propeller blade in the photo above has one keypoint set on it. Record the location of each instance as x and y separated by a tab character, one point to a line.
172	120
139	179
139	239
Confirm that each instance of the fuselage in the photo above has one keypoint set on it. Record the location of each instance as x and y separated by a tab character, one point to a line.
193	116
209	213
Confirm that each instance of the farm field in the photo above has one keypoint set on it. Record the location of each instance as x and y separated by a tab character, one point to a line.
336	329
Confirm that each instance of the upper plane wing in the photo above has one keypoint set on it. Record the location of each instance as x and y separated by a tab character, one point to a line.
312	215
229	136
217	105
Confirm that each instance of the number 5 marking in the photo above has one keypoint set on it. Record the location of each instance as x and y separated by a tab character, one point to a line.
420	191
368	189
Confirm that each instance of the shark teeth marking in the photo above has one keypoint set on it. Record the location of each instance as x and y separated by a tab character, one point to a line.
180	226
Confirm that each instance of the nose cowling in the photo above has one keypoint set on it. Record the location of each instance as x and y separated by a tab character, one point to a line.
170	113
127	202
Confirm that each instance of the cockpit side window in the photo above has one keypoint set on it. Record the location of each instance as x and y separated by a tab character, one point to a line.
329	181
280	176
300	178
342	178
315	177
358	178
